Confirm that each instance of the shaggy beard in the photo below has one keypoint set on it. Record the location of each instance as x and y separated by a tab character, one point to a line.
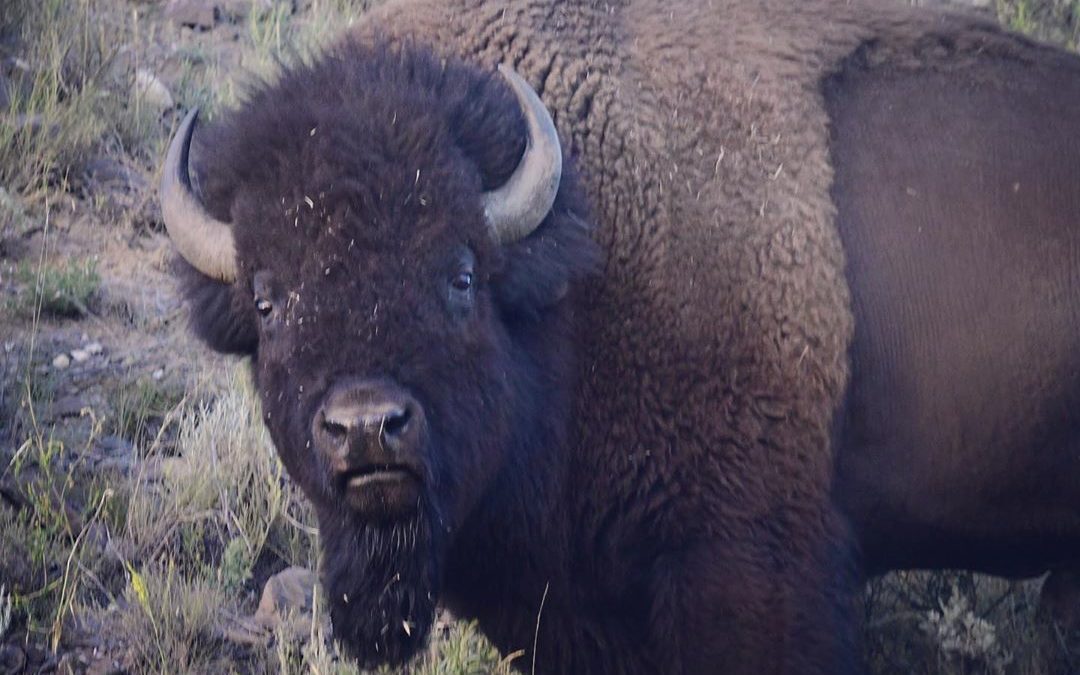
381	580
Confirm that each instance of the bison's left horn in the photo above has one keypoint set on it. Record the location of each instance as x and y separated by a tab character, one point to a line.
204	242
518	207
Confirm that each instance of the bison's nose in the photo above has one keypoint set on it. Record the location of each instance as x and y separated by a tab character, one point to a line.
384	421
364	425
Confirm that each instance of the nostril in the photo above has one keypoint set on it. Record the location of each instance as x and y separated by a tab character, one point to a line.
394	423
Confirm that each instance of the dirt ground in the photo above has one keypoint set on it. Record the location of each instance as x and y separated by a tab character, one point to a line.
118	552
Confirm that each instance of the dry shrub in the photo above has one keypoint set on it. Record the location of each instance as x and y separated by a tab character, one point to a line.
951	623
226	491
173	617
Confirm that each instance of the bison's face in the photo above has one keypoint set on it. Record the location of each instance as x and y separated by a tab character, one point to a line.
387	380
396	275
384	369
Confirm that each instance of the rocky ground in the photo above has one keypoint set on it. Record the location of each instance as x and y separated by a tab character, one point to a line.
145	524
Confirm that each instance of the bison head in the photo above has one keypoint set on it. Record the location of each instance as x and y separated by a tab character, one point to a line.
387	235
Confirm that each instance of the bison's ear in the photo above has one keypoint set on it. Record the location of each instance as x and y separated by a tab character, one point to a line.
221	314
540	268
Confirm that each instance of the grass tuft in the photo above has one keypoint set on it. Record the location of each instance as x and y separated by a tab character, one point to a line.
65	289
1056	21
173	615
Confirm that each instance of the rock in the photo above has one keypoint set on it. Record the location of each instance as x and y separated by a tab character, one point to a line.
80	355
12	659
108	172
98	539
119	464
240	9
34	124
72	662
94	348
16	81
287	601
113	454
193	13
114	445
13	63
153	91
68	406
105	665
61	361
13	210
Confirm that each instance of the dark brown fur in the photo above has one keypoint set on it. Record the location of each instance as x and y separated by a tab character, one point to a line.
638	475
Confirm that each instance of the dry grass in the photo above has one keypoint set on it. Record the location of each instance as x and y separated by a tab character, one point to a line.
1056	21
70	98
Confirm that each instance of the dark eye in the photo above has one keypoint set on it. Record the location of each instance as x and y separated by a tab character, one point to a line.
459	289
263	307
462	282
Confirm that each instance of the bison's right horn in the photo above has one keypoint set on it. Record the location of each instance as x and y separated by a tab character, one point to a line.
204	242
518	207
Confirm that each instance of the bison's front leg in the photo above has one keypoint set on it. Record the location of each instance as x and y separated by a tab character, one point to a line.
742	607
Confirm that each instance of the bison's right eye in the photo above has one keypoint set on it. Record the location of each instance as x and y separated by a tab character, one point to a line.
263	307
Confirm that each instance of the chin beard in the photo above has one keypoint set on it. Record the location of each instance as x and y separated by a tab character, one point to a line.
382	581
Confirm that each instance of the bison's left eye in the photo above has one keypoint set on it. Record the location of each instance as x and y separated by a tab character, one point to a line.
462	282
263	307
263	287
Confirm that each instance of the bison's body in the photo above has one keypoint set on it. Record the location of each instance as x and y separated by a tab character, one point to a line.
834	326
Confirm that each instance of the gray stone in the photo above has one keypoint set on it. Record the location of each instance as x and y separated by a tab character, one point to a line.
114	445
61	361
12	659
68	406
152	90
193	13
286	602
240	9
110	173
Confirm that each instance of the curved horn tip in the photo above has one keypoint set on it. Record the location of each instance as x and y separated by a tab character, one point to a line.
517	208
206	243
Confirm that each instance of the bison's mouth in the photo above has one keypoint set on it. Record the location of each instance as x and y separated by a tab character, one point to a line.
378	473
382	490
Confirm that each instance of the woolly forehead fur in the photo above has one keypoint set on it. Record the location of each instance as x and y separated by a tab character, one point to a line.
366	150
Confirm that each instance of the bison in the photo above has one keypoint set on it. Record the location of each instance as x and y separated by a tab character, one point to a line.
762	298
